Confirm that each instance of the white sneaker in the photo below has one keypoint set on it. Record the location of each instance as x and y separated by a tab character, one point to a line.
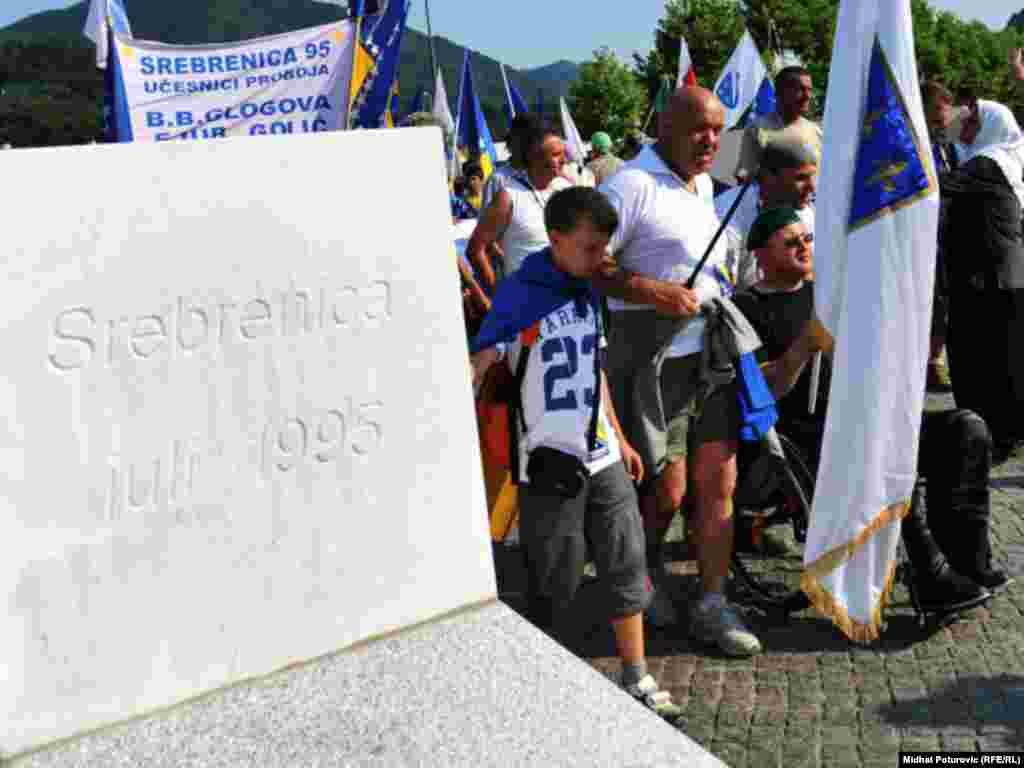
717	623
662	611
659	702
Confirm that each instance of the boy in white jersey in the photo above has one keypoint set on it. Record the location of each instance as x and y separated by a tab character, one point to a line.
576	486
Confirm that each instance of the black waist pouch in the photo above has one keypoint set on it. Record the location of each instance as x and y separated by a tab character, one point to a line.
554	472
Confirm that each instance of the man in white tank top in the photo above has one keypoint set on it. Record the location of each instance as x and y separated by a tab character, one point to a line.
515	218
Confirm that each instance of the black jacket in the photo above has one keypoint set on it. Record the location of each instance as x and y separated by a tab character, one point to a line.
983	238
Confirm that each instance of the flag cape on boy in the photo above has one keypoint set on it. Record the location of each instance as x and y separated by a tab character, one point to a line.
530	294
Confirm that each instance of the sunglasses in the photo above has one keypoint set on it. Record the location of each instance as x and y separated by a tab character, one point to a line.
796	242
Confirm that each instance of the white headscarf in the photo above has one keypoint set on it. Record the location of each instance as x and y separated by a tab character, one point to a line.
998	127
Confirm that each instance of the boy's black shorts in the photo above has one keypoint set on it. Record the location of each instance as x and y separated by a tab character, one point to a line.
555	534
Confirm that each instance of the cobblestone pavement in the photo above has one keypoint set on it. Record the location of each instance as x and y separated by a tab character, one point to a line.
814	699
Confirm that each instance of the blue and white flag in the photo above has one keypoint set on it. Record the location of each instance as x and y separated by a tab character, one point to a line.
878	212
296	82
104	13
743	77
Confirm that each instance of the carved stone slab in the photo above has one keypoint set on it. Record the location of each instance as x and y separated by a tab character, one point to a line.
237	427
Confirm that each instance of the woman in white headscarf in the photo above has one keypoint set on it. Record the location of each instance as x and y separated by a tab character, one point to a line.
985	261
985	124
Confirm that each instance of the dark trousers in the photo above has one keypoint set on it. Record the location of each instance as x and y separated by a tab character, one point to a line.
954	463
556	532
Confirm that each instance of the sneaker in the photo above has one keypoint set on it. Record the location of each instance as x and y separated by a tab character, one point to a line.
662	611
717	623
659	702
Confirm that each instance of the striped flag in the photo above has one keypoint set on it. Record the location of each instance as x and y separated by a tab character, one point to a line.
876	233
687	74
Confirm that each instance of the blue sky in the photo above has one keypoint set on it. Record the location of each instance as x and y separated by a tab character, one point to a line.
537	32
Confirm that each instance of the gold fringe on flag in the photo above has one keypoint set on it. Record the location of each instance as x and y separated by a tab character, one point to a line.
826	603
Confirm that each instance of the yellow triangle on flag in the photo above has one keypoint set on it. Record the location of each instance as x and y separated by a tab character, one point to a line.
361	70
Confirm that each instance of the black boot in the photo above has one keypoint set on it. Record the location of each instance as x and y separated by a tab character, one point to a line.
974	555
936	587
959	509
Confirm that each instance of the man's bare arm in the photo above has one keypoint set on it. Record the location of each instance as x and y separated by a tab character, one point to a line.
493	221
673	299
783	372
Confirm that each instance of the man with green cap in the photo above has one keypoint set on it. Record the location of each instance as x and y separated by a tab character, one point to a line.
786	177
605	164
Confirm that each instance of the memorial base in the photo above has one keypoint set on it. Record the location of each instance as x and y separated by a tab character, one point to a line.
482	688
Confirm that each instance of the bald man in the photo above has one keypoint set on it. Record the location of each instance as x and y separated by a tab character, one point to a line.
665	206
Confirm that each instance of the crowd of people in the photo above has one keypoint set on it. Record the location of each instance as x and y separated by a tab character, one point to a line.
596	304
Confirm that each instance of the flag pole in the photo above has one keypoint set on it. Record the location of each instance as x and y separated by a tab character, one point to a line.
430	39
357	8
815	385
714	241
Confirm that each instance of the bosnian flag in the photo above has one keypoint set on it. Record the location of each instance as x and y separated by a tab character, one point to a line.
741	80
878	216
687	74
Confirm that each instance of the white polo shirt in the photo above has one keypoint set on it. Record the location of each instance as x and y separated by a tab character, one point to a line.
664	229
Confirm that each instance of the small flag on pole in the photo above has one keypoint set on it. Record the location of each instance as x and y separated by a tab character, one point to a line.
875	270
474	135
573	140
687	74
742	79
377	66
441	109
101	14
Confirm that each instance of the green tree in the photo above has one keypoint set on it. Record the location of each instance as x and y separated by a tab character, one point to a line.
711	28
966	56
607	96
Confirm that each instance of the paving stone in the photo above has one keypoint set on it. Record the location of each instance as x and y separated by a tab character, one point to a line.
763	756
959	744
729	752
955	687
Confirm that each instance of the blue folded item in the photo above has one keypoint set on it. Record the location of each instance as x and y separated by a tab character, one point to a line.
529	294
758	413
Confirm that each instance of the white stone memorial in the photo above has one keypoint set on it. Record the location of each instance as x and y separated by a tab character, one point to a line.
238	431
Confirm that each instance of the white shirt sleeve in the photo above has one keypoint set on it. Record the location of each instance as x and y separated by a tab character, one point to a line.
623	192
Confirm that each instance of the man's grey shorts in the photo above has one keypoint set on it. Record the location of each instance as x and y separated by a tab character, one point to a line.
634	339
